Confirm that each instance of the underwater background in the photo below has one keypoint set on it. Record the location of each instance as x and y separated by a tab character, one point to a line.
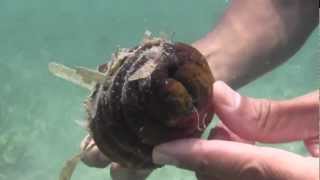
39	112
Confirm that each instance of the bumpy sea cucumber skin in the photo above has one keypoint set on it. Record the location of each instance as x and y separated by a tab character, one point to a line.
134	114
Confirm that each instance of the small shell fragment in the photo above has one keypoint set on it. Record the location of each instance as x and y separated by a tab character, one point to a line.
81	76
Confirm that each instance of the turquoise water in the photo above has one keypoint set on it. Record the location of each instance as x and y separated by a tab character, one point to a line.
38	112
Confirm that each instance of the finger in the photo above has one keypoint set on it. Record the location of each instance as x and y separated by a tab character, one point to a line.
265	120
221	132
231	160
86	142
118	172
204	156
92	156
95	158
312	146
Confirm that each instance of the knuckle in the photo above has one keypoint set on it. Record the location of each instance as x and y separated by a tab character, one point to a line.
262	112
253	170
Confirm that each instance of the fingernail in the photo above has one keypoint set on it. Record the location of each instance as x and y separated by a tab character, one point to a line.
163	154
225	96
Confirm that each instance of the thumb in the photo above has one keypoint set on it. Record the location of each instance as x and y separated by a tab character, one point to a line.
233	160
203	156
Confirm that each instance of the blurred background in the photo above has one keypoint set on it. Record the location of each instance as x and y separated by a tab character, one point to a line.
38	112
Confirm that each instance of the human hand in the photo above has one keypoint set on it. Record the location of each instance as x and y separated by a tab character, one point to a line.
95	158
249	120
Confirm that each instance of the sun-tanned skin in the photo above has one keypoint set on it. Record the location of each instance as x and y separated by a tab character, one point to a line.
251	38
248	120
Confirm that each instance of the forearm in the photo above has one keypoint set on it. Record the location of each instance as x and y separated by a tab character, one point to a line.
254	37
